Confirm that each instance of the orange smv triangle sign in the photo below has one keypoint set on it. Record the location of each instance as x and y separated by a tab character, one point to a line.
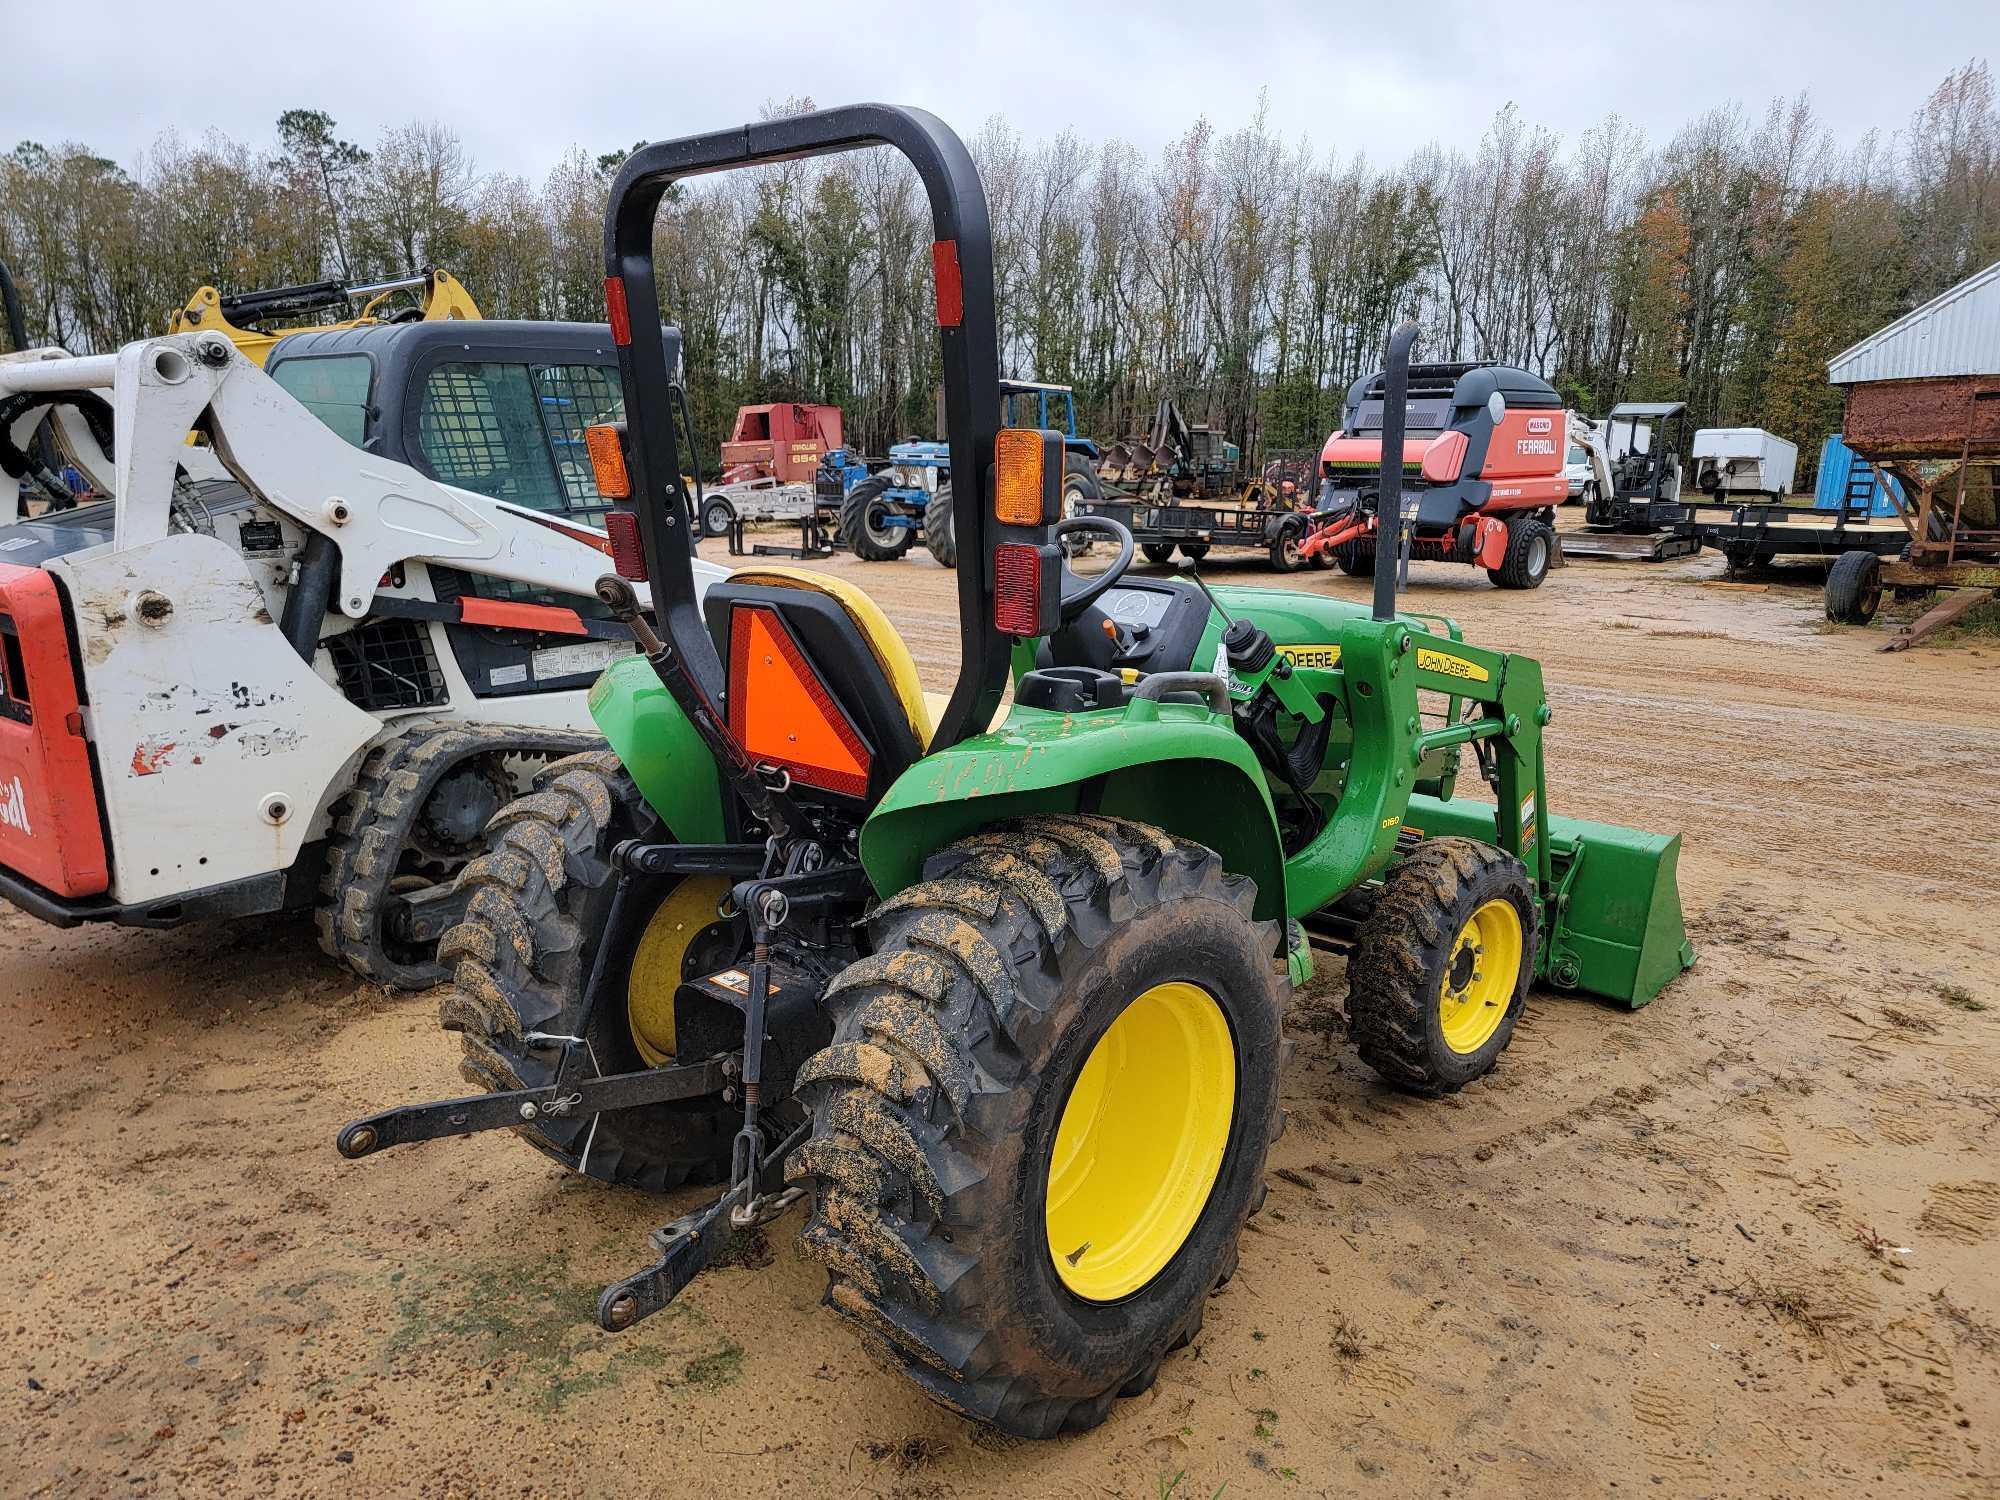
782	714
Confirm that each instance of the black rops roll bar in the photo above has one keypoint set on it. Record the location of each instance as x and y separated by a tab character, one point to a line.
1389	497
963	263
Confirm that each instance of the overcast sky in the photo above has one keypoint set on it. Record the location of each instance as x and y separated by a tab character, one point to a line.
523	81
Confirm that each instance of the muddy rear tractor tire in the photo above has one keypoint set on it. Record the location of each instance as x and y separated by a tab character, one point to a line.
1854	588
1043	1118
1441	966
1531	548
538	909
941	527
858	530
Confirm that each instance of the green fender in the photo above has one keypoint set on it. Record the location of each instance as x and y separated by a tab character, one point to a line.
1184	770
654	741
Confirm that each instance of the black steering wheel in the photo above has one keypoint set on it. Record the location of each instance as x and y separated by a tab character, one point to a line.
1078	594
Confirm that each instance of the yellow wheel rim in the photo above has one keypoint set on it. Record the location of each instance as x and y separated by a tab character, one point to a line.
656	963
1141	1140
1480	977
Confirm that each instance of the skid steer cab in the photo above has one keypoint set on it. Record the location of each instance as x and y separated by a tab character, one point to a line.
1482	459
998	1002
330	618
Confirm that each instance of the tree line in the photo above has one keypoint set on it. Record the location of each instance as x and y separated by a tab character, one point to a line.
1248	277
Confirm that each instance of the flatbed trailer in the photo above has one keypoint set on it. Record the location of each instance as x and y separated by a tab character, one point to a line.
1750	534
1160	527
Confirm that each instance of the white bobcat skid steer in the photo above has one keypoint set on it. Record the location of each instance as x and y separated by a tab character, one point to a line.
276	670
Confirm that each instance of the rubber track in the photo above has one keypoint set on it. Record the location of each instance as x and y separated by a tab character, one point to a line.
372	823
1404	942
932	1026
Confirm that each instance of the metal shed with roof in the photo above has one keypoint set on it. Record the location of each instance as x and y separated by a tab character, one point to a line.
1923	406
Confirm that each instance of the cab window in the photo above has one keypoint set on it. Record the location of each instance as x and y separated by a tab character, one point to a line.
333	387
515	431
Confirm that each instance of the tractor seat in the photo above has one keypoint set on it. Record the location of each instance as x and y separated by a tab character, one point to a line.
786	637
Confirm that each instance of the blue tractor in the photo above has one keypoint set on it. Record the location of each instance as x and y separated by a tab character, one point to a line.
884	507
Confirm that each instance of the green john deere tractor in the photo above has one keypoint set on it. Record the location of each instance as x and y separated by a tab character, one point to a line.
1000	1003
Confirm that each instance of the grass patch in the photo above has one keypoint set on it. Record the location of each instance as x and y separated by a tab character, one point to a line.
718	1367
1958	997
1981	623
532	1324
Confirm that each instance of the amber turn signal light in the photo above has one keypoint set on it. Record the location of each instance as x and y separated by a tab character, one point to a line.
1027	477
607	460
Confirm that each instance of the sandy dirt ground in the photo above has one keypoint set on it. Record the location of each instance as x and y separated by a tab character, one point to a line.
1743	1242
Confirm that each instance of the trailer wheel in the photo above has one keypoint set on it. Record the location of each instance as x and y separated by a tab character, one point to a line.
1194	551
717	515
1285	555
863	523
1530	549
1441	966
1158	553
1356	559
1854	588
1043	1118
941	527
537	914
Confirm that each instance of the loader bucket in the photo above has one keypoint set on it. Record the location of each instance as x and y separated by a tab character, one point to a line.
1617	929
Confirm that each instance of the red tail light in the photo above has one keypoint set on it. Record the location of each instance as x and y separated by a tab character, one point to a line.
615	309
1017	589
950	285
628	555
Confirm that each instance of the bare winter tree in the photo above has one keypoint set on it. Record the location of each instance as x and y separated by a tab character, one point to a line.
1249	278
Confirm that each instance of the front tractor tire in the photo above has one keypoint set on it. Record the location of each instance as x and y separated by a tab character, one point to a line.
1441	966
539	905
1043	1118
